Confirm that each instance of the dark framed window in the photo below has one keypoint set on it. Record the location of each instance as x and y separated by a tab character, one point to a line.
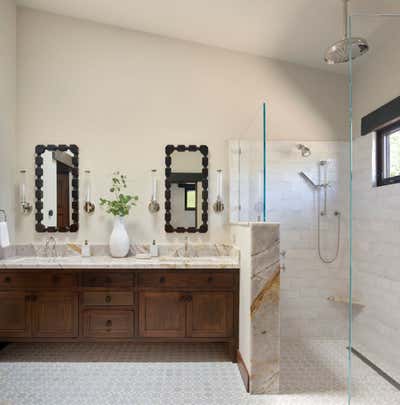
190	197
388	155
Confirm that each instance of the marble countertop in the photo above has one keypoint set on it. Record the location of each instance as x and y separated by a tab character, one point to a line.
104	262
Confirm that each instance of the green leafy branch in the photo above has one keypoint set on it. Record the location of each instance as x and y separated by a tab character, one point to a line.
122	204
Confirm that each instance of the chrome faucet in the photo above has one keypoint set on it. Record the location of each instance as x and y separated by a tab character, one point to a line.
51	240
186	251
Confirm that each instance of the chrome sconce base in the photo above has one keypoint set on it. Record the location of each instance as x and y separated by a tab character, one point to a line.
154	207
218	206
26	208
89	207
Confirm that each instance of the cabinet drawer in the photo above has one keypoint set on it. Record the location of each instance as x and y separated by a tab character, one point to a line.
107	279
37	280
107	298
192	280
108	323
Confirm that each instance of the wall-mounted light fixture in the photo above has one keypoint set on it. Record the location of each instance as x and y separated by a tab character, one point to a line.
88	205
219	203
26	207
154	205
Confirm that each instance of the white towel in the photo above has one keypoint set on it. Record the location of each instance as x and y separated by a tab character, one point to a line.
4	236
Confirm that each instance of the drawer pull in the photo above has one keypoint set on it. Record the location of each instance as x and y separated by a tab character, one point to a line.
56	279
162	280
108	299
27	298
109	324
210	279
33	298
189	298
7	280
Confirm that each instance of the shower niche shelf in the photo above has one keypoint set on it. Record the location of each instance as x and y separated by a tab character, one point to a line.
345	300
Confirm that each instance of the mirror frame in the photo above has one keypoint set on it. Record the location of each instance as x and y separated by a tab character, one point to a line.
169	150
39	150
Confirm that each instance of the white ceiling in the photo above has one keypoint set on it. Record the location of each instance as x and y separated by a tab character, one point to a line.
297	31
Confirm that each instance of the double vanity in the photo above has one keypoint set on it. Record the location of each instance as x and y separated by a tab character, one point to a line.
74	299
157	293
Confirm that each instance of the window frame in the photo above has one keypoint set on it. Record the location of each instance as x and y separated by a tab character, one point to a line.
382	152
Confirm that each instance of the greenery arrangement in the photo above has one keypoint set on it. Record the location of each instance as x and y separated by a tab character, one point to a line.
122	204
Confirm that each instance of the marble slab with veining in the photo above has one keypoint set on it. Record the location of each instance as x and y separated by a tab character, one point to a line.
171	256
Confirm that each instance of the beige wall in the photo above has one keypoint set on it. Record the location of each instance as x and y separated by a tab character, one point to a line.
376	218
122	96
7	108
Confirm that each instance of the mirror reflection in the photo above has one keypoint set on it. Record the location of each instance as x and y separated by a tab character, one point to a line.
57	188
187	183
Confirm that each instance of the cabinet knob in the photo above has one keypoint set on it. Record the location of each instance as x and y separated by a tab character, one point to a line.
33	298
56	279
108	280
108	299
162	280
27	298
210	279
7	279
189	298
108	324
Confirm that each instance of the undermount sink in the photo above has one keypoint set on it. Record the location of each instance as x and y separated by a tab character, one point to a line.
188	259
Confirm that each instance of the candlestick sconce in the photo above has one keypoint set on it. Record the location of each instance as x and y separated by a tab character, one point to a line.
26	207
218	206
88	205
154	205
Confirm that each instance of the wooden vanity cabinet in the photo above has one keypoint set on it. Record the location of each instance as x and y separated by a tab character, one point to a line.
15	315
135	305
55	314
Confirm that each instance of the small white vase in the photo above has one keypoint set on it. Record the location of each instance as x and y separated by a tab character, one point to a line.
119	239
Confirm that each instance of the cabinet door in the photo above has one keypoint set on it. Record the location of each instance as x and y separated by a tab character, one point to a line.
162	314
210	314
15	315
55	315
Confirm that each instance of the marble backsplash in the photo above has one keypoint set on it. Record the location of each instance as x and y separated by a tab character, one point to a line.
167	250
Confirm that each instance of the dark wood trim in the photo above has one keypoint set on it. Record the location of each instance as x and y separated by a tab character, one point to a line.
39	150
169	150
243	371
383	116
380	155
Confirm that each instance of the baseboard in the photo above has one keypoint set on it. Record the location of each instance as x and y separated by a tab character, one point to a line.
243	371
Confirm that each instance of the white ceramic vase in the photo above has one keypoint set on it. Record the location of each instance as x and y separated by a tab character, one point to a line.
119	239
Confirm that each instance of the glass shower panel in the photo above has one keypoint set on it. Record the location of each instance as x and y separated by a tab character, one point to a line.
374	79
246	177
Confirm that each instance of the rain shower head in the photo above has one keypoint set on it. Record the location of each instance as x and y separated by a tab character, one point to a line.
340	51
305	151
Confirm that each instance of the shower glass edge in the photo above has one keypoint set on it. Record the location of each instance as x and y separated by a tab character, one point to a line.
350	286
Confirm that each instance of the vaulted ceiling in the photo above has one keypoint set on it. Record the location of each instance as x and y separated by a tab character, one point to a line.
297	31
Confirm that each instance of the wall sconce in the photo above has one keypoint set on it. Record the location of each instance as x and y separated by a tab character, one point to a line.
88	206
219	203
154	206
26	207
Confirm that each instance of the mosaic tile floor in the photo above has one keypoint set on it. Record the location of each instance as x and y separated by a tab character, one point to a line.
125	374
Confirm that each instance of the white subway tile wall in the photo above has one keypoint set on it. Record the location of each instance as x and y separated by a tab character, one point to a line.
307	282
376	270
